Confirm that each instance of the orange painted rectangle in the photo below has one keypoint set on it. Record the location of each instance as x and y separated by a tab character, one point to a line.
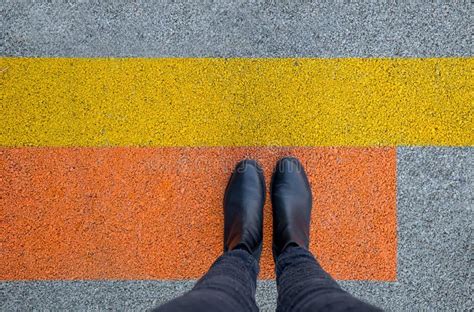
156	213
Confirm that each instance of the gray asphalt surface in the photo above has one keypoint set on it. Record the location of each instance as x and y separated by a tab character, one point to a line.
435	185
435	202
236	28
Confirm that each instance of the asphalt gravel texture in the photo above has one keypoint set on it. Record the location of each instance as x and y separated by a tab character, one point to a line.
435	202
435	184
236	29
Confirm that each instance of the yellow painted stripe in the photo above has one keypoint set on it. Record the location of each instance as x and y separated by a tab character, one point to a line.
232	102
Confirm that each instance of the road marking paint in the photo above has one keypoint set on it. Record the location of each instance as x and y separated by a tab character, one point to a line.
156	213
236	102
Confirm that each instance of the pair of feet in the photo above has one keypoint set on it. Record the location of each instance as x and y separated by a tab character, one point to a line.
244	200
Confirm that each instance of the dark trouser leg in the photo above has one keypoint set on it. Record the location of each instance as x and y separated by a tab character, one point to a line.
304	286
229	285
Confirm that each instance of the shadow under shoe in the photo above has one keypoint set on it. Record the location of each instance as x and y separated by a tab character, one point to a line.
244	199
291	201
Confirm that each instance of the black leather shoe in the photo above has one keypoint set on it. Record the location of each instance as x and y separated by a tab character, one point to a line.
243	208
291	201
